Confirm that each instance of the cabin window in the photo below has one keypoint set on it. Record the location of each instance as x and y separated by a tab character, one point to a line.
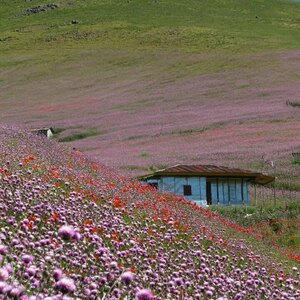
187	190
154	185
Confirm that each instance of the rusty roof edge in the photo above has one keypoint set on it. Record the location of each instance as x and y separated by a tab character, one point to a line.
250	176
269	179
193	165
247	174
164	171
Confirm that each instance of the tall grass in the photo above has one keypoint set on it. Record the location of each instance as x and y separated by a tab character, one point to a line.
277	225
250	215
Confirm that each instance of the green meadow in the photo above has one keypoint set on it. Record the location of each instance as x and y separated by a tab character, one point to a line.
92	42
138	33
154	25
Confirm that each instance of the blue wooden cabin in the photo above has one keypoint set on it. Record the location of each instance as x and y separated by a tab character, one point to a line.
207	184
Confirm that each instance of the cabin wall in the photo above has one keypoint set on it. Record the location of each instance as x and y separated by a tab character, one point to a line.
229	191
175	185
224	191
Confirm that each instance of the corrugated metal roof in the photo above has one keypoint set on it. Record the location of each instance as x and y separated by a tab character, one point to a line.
212	171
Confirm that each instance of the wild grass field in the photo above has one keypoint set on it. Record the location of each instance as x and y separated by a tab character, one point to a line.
139	85
183	81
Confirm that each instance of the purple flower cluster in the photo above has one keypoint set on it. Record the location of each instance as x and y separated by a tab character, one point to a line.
66	232
66	285
127	277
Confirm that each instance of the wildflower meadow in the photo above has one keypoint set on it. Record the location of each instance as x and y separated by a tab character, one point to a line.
138	86
71	228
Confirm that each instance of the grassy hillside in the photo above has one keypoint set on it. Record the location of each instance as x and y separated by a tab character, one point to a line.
184	81
187	25
73	229
280	226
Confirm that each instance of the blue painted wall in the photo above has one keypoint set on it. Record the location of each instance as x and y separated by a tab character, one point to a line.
224	191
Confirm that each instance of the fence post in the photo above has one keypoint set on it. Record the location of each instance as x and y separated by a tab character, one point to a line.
274	192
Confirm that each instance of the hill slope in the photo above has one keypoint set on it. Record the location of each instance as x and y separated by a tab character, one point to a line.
187	25
71	227
159	82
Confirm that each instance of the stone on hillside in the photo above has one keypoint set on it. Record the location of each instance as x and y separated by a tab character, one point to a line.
40	8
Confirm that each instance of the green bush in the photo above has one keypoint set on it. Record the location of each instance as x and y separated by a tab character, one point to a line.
276	226
78	136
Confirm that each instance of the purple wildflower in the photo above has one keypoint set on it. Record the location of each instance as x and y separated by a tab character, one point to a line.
127	277
66	232
66	285
3	249
27	259
114	264
57	274
31	271
77	236
3	287
4	275
16	292
144	294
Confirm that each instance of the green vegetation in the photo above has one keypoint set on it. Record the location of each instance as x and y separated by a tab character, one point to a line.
58	130
294	104
291	238
145	154
177	26
296	161
79	136
188	25
277	225
116	39
289	186
251	215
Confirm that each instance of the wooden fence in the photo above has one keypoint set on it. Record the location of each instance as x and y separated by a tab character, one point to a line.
273	196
